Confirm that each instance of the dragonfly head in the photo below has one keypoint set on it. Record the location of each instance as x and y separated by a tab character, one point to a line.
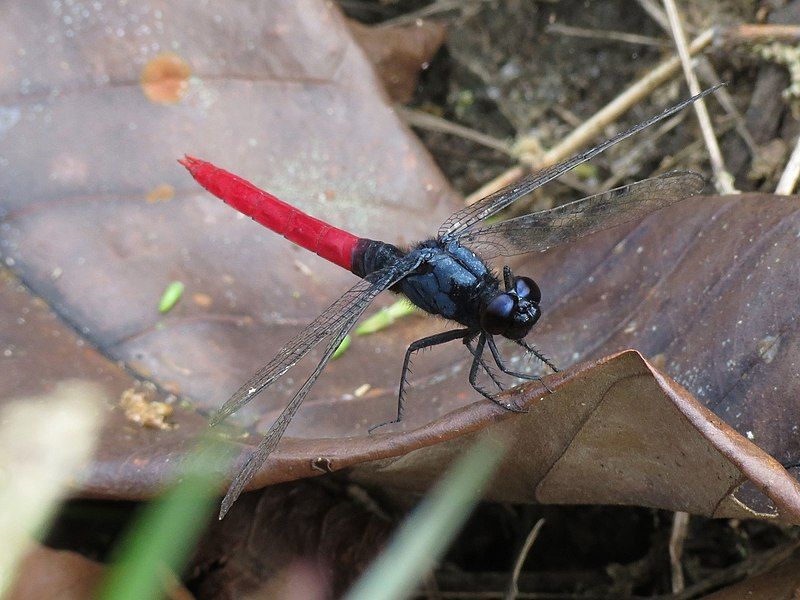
514	312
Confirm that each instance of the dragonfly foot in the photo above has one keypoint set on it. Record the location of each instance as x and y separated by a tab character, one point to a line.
379	425
510	407
547	387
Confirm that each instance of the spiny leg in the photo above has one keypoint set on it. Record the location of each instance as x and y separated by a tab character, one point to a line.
468	343
537	354
473	375
426	342
498	358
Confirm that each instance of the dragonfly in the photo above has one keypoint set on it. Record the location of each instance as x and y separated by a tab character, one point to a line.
448	275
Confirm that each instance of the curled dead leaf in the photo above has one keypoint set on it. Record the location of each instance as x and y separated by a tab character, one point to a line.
616	431
399	53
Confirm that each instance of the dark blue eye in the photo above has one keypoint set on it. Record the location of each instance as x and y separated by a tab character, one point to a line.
527	288
498	314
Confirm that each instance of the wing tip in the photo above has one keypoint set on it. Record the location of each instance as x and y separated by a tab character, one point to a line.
698	181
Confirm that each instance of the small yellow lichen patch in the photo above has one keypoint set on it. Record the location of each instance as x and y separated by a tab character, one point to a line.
165	79
202	300
161	193
148	413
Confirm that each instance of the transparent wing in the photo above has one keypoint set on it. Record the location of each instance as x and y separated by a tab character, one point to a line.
468	217
278	427
353	302
541	230
334	324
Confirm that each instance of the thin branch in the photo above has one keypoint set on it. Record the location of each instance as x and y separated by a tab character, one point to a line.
790	173
423	120
753	32
709	74
680	527
706	70
583	134
435	9
602	34
669	162
722	178
513	591
621	169
655	12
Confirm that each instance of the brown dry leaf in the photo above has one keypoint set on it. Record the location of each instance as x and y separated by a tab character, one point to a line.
284	97
614	432
399	53
40	351
46	573
779	583
85	148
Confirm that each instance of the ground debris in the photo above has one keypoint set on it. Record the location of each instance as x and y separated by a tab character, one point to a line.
141	408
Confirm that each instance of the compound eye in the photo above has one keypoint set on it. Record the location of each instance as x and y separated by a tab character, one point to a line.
498	314
527	288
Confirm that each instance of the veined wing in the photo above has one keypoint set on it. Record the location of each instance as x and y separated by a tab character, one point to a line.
330	322
543	229
334	323
278	427
468	217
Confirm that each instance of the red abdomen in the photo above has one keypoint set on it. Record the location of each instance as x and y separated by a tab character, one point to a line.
329	242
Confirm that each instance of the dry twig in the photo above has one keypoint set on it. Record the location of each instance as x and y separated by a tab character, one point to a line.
592	127
655	12
423	120
602	34
754	32
512	592
722	178
706	70
436	9
790	173
680	526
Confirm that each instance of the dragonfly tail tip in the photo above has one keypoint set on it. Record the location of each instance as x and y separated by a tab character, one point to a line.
189	161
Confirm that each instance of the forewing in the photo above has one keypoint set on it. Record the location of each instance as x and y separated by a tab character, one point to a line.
541	230
278	427
346	309
466	218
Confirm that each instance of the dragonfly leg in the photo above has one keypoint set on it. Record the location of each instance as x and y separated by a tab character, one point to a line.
537	354
500	361
468	343
473	378
498	358
508	278
426	342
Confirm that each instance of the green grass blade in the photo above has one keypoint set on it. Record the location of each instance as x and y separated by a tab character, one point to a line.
343	346
385	317
165	534
431	527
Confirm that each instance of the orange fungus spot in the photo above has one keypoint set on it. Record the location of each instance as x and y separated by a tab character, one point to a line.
202	300
161	193
165	79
